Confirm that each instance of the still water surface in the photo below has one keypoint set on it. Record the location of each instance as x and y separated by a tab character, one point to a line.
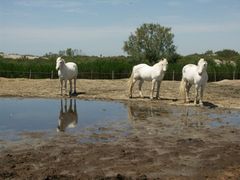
44	114
74	115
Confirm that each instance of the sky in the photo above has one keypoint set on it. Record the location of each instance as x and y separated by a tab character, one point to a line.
100	27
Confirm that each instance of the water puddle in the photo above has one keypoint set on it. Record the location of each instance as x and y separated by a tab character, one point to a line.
101	120
21	116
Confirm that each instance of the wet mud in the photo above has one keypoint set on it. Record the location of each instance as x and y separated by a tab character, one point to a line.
161	140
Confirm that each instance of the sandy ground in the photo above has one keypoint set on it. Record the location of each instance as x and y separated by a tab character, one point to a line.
224	93
160	145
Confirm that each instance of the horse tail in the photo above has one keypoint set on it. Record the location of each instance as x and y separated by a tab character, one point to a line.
182	87
130	84
130	81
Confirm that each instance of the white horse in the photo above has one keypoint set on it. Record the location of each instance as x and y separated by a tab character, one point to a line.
197	75
68	118
153	73
67	71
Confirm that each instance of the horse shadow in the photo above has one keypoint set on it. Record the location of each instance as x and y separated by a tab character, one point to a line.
156	99
209	105
68	116
76	94
205	104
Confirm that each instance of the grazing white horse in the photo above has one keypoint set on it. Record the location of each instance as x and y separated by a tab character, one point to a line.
67	71
68	118
144	72
197	75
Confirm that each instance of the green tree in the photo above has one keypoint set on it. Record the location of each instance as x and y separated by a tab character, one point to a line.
150	42
227	53
69	52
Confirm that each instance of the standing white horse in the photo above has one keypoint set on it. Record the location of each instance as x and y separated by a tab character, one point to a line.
153	73
197	75
67	71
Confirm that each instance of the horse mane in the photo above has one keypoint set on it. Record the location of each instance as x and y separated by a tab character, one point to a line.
162	61
59	58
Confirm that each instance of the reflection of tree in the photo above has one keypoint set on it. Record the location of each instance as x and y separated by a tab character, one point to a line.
68	118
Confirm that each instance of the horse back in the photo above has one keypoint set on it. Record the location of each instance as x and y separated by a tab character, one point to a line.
142	71
72	69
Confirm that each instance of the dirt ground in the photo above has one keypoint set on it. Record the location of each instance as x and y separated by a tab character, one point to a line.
160	146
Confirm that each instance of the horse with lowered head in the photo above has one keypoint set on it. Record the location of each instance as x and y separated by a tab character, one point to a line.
144	72
67	71
194	75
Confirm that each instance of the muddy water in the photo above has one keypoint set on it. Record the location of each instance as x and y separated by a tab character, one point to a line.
110	120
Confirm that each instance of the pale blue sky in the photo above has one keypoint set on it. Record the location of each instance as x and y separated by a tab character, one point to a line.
101	26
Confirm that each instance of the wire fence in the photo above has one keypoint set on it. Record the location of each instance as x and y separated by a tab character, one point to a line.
213	76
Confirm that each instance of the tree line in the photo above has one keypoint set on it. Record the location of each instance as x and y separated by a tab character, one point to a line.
96	67
148	44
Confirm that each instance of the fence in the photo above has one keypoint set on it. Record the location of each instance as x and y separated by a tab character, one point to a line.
53	75
213	76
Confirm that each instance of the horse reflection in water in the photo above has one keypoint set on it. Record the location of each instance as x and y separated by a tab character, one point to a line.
141	112
68	118
152	116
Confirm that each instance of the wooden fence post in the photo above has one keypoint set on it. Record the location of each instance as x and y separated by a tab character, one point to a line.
112	74
173	76
234	73
51	75
30	74
215	76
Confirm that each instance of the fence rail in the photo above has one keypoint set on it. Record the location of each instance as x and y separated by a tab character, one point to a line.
213	76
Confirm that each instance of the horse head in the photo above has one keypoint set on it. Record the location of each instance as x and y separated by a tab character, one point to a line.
202	66
59	63
164	64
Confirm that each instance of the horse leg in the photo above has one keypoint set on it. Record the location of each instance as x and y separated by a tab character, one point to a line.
70	106
196	94
75	87
158	89
201	95
70	91
188	87
65	81
140	88
75	106
131	87
65	105
152	89
61	88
